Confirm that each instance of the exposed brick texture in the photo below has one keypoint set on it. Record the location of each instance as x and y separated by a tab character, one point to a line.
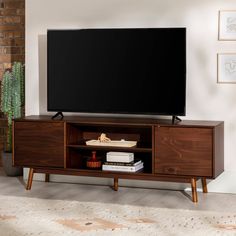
12	41
12	33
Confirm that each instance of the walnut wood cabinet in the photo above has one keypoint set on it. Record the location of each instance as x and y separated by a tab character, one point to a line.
39	144
182	152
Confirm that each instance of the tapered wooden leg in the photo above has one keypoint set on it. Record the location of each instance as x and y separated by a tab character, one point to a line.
194	189
30	179
47	178
116	184
204	185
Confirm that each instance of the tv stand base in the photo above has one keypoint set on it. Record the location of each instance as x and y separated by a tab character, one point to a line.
175	118
58	114
192	180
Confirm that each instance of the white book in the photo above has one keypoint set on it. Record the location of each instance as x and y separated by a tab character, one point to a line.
123	168
120	157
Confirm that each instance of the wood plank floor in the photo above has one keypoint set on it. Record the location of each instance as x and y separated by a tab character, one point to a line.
14	186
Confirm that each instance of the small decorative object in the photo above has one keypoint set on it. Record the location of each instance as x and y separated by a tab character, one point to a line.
103	138
226	71
93	162
227	25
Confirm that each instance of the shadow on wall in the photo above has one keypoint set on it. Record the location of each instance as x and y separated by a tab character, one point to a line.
42	47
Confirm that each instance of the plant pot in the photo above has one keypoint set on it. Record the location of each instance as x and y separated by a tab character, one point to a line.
7	165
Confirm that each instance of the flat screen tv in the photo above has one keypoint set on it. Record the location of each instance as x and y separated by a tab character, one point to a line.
117	70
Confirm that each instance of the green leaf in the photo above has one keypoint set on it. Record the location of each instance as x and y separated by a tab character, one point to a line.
12	96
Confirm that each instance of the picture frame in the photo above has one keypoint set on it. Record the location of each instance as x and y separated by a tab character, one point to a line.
227	25
226	67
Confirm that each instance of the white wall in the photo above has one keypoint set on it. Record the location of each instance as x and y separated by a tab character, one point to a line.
205	98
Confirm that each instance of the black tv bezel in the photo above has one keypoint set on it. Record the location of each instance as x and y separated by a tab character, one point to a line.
110	113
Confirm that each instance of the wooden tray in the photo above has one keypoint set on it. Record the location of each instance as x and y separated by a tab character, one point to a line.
114	143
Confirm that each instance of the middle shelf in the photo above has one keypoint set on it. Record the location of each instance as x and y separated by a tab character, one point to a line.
118	149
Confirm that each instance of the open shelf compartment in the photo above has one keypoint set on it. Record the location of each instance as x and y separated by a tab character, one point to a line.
77	152
76	159
78	134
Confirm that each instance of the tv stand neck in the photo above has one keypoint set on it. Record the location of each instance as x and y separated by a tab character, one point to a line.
175	118
58	114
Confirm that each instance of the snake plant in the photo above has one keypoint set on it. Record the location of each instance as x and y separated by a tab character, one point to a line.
12	97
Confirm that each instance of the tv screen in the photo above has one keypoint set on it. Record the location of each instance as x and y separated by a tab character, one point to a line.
124	71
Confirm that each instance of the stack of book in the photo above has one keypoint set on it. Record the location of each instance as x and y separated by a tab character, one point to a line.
122	161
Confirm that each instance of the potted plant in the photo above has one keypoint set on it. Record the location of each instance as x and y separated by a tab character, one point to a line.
12	105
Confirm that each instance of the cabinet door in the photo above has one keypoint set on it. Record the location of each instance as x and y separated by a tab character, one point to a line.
39	144
184	151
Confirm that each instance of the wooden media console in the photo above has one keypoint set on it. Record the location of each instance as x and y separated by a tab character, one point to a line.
182	152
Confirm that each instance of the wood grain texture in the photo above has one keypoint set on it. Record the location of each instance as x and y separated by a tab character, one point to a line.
116	184
111	174
39	144
47	178
194	190
204	185
30	179
184	151
119	121
175	153
218	161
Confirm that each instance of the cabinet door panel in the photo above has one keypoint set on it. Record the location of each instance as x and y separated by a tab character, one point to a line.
184	151
39	144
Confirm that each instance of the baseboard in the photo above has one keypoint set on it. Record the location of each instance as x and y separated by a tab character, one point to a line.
222	184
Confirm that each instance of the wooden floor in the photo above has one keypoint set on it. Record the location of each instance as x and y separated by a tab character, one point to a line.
15	186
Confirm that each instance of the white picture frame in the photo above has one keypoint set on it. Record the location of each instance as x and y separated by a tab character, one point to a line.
227	25
226	67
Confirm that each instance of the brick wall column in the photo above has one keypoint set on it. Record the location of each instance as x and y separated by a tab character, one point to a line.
12	40
12	33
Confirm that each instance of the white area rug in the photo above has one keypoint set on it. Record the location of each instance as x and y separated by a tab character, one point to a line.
29	216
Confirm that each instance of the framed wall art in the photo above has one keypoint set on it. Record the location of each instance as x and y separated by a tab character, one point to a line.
226	68
227	25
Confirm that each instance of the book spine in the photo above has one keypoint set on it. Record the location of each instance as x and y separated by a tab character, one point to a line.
126	154
119	159
122	168
118	168
121	163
